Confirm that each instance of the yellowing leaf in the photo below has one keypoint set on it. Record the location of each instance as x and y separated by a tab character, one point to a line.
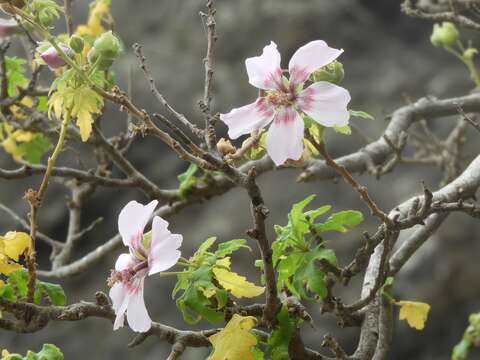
5	353
236	284
14	244
99	12
85	103
416	313
235	341
7	266
208	292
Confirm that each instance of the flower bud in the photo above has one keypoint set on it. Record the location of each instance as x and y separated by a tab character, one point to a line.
470	53
107	46
8	27
101	63
332	73
76	43
225	147
52	59
444	35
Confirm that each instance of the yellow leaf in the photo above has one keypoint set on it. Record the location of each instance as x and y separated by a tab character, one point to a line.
18	111
7	267
14	244
208	292
85	103
84	122
225	262
235	341
236	284
5	353
416	313
22	136
99	12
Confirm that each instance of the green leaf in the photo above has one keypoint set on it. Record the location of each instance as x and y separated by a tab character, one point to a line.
36	148
54	292
202	249
460	351
42	105
258	354
279	339
361	114
341	221
228	247
187	180
15	74
201	305
17	287
48	352
7	292
345	130
19	282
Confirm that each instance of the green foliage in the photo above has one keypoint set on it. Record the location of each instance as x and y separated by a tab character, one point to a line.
48	352
299	246
16	288
187	180
34	149
345	130
198	294
470	338
361	114
77	99
279	339
16	78
45	11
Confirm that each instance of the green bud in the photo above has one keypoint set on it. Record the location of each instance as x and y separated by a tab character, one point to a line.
470	53
76	43
332	73
108	46
101	62
444	35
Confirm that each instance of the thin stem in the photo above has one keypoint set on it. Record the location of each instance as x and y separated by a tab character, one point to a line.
35	201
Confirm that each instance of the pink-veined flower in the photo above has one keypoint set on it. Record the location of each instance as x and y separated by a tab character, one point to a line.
148	254
283	101
51	57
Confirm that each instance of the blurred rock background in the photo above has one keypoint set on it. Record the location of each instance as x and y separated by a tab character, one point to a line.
387	58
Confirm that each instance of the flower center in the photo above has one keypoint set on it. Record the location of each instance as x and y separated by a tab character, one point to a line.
126	276
281	98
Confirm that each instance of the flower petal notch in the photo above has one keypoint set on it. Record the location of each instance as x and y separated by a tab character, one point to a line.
149	253
284	102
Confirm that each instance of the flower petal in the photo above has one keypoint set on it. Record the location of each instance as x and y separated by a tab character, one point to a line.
264	71
119	295
309	58
132	221
124	262
137	314
244	120
285	136
163	252
325	103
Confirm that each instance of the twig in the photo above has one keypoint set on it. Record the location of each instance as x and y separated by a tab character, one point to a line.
180	117
342	171
209	62
68	16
